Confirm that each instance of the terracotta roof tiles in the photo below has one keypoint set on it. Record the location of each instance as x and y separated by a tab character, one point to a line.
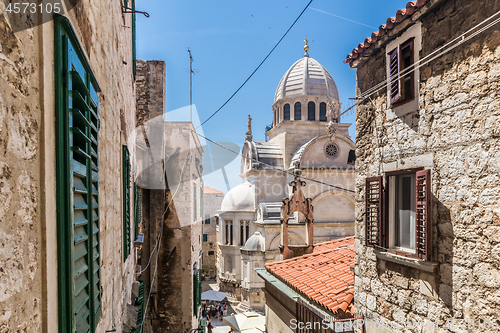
401	15
324	276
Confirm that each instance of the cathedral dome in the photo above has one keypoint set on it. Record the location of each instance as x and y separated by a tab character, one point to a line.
306	77
255	243
240	198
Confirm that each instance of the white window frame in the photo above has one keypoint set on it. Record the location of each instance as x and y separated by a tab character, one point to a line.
394	195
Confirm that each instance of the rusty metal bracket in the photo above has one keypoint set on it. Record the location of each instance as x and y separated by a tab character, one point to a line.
128	10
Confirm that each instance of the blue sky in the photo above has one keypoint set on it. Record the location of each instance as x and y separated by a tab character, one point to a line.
228	40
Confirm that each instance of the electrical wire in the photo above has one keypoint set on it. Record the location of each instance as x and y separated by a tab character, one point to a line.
424	61
158	243
271	166
262	62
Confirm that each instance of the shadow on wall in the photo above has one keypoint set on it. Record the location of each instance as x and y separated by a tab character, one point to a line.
415	288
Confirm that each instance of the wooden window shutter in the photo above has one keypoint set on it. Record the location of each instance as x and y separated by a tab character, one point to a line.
394	70
373	211
77	149
126	201
423	216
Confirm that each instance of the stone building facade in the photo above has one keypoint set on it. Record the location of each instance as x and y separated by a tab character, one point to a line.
168	159
64	120
427	168
212	199
306	138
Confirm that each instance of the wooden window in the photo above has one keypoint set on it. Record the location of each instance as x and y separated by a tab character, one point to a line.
205	237
134	40
398	212
297	111
207	218
126	201
401	73
322	111
286	112
311	111
77	184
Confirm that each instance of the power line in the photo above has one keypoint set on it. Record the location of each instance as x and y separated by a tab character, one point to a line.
410	69
262	62
272	166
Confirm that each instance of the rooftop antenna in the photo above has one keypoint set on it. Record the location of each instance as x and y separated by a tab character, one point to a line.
191	73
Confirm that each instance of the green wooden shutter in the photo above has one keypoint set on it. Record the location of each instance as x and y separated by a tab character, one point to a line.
137	210
195	206
126	201
77	148
196	291
139	303
134	42
201	201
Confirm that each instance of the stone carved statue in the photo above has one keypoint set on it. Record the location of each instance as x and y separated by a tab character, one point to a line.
249	136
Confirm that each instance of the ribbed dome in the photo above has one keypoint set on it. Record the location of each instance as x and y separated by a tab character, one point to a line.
240	198
306	77
255	243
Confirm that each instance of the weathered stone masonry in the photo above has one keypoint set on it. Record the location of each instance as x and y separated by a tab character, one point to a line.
456	130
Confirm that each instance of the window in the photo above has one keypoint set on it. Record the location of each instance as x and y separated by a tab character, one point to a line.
77	183
322	111
205	237
297	111
207	218
286	112
210	253
229	232
398	212
311	111
242	235
126	201
401	77
247	231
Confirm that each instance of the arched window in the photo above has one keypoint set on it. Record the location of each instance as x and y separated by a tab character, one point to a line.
298	111
322	111
286	112
311	111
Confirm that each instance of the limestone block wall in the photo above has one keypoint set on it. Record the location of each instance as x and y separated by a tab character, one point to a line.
456	133
28	253
211	204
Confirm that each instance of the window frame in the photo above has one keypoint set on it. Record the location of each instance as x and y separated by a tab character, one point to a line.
297	109
311	111
286	112
322	113
378	231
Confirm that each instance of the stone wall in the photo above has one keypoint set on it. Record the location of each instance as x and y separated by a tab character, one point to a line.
456	133
211	204
28	253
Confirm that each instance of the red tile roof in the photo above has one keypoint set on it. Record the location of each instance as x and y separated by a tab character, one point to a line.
207	189
324	276
401	15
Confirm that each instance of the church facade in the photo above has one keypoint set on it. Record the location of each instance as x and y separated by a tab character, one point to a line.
306	139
